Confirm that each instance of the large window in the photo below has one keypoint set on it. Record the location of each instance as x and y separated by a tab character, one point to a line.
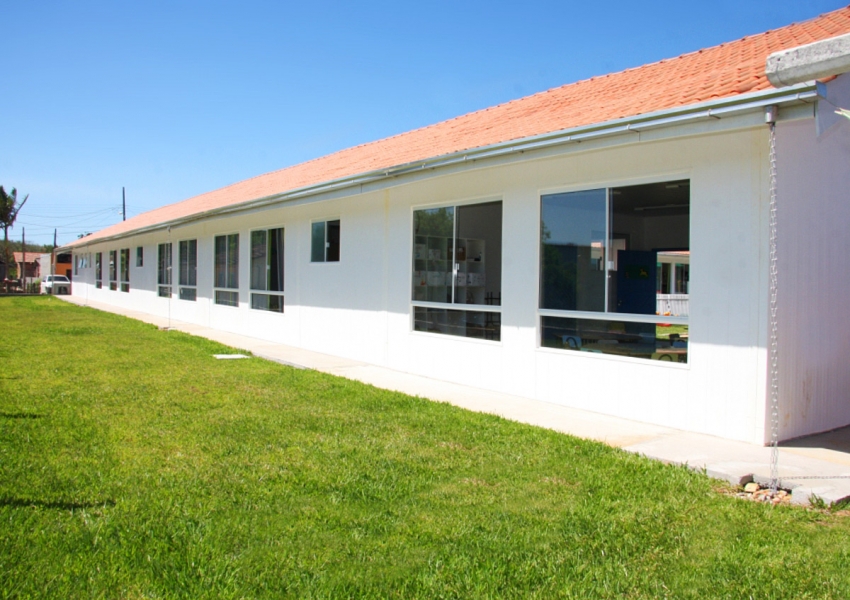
140	256
98	270
163	270
457	260
267	269
113	270
603	273
125	269
324	243
226	275
188	277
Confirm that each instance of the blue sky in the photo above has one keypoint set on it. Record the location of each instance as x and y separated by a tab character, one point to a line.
173	99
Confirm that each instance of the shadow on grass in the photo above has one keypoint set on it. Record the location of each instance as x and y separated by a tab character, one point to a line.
31	503
20	415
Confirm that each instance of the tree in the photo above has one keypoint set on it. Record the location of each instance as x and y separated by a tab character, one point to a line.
9	209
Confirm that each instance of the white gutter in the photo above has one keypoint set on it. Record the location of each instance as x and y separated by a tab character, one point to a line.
715	109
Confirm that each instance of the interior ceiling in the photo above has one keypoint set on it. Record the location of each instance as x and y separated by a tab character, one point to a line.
653	198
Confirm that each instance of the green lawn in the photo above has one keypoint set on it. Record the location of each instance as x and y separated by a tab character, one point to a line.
134	465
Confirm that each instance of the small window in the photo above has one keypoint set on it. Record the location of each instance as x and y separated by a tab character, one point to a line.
125	269
164	270
113	270
267	270
325	241
226	272
140	256
98	270
188	278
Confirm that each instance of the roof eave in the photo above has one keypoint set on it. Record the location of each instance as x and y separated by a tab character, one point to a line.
714	109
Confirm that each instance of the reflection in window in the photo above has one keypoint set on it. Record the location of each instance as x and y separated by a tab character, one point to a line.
324	243
125	269
163	270
113	270
457	259
623	251
573	235
188	272
267	270
98	270
656	341
226	272
462	323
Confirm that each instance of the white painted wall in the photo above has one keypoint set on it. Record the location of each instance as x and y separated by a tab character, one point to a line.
360	307
813	173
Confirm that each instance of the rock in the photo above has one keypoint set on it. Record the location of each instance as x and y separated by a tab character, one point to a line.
751	487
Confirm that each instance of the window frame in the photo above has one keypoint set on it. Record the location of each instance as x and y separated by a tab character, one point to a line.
124	270
187	287
606	315
164	269
98	270
227	295
113	270
274	299
326	242
489	310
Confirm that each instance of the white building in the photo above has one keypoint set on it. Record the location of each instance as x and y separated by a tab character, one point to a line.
523	248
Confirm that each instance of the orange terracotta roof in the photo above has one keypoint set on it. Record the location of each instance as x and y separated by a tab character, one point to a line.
722	71
31	256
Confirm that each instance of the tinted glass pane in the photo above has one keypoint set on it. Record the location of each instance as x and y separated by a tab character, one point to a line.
333	241
433	246
164	264
653	341
188	293
164	291
227	298
270	302
573	234
125	266
259	261
183	257
317	243
462	323
220	274
650	226
276	260
478	254
193	263
112	266
233	261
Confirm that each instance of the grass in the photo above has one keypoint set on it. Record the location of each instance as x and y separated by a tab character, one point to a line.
134	465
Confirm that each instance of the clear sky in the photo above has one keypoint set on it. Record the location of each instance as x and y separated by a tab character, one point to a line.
173	99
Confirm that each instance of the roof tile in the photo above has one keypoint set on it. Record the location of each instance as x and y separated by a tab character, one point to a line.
722	71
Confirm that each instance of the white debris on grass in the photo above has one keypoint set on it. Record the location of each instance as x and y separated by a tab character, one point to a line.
230	356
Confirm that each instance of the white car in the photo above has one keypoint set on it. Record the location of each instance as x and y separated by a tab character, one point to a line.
56	284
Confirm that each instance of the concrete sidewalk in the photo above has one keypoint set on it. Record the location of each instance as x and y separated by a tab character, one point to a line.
816	465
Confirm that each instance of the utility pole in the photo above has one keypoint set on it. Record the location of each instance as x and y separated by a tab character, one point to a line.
123	205
53	255
24	258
